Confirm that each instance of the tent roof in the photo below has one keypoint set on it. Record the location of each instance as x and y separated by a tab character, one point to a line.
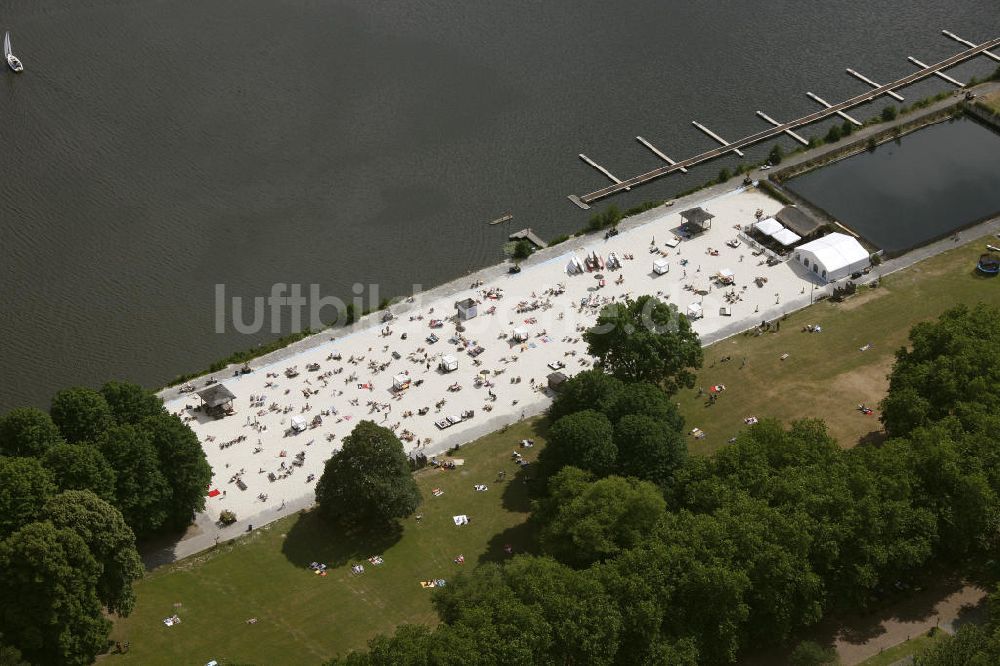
216	395
769	226
698	216
786	237
465	303
836	250
694	307
798	220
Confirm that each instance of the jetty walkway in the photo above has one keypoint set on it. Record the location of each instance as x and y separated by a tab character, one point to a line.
839	108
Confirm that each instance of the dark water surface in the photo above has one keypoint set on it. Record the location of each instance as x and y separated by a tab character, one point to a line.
908	192
154	149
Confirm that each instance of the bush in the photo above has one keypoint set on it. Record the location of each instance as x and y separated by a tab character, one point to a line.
227	517
833	136
724	175
522	249
808	653
558	239
876	259
776	154
889	113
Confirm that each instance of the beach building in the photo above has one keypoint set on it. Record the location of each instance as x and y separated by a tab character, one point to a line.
217	400
833	256
466	309
696	220
799	222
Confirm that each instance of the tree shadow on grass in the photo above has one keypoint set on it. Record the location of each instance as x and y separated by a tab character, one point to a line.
875	438
518	539
311	539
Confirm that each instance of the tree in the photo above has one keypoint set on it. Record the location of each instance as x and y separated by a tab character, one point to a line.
81	467
24	487
585	521
183	463
109	539
889	113
775	156
10	656
52	576
82	414
648	449
834	135
142	493
522	249
646	340
808	653
28	432
368	480
584	440
590	389
131	403
951	365
644	399
724	175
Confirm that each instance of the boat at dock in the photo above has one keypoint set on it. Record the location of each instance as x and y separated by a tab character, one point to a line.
12	59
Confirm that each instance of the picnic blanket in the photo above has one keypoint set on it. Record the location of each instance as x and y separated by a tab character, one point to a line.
215	492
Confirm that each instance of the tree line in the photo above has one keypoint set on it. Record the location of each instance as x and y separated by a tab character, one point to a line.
648	556
78	485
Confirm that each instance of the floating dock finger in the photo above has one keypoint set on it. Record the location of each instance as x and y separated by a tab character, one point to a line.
958	39
864	78
777	124
715	136
658	153
825	103
937	73
616	181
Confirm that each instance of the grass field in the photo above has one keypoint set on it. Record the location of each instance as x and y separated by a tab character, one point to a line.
303	618
825	374
905	649
993	101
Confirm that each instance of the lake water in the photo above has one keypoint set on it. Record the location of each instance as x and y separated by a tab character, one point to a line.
154	149
906	193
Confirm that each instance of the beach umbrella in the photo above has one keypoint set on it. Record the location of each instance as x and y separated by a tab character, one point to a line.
598	277
484	372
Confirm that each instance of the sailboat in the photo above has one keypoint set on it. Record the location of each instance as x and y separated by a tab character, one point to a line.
12	60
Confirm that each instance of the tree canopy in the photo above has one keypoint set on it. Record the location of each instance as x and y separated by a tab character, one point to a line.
53	576
81	467
82	414
646	340
182	461
369	480
130	403
24	487
27	431
109	539
142	493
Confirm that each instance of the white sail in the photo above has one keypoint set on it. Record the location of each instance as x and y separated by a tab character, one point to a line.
6	45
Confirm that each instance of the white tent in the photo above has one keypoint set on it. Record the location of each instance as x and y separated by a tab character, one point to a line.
661	266
448	363
786	237
520	334
695	311
833	256
401	382
769	226
299	423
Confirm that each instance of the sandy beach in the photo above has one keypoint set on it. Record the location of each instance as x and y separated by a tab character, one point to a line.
339	379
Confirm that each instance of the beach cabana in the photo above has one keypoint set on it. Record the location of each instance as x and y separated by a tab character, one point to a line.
833	256
661	266
696	220
694	311
519	335
299	423
217	400
787	237
466	309
401	382
768	226
448	363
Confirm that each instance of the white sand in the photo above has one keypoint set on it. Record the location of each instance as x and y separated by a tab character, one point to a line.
559	317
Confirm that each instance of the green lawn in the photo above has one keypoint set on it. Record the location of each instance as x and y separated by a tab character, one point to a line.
905	649
825	375
993	101
304	618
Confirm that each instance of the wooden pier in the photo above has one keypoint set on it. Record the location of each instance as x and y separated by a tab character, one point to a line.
817	98
607	173
777	124
715	136
585	200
